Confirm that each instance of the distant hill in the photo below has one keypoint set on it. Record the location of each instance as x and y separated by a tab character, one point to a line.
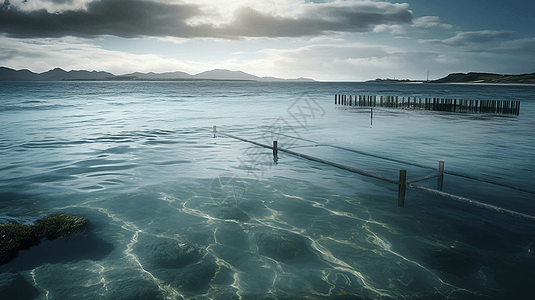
7	74
152	75
57	74
486	78
21	75
226	74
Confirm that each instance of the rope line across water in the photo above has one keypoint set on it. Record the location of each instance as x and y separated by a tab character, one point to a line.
408	183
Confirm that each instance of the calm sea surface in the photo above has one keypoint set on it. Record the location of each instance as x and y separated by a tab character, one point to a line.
180	212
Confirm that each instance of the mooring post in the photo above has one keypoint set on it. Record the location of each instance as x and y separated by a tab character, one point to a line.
440	178
275	150
402	187
371	116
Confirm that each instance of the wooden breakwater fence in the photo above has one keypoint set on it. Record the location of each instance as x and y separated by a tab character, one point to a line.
438	104
403	182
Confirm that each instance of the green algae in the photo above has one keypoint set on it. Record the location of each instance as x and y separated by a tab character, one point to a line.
16	237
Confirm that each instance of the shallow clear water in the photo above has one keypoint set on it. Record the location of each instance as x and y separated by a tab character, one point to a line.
141	162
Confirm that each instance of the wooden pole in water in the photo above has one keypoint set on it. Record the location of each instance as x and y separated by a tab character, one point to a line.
440	178
275	149
402	187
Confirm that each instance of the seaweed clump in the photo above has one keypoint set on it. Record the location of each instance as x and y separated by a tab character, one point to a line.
16	237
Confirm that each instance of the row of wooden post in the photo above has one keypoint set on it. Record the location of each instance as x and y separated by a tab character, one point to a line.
439	104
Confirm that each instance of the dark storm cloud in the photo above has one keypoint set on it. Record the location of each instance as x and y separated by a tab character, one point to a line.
124	18
134	18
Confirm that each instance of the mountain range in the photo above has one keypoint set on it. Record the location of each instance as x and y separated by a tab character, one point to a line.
57	74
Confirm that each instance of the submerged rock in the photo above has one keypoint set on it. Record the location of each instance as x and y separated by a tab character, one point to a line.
184	267
284	247
16	237
168	253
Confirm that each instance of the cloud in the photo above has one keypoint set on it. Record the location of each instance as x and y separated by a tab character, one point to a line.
517	47
72	53
51	6
336	62
136	18
429	22
468	38
417	24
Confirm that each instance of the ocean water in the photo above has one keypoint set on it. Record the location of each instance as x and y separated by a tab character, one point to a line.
179	211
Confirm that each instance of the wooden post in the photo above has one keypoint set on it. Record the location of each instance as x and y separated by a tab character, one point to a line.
371	116
381	103
440	179
275	150
402	188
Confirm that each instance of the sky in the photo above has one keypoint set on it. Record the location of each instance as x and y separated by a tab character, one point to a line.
340	40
